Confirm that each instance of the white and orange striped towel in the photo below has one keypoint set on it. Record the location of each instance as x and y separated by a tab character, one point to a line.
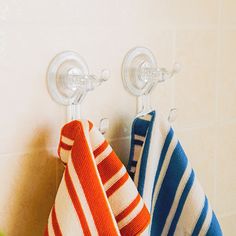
96	195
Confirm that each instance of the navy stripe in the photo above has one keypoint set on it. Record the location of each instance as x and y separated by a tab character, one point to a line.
181	204
138	142
144	158
141	127
214	229
201	218
131	174
162	156
134	163
131	154
174	173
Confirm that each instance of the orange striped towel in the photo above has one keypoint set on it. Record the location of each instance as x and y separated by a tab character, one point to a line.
96	195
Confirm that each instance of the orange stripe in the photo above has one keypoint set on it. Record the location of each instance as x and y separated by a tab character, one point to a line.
56	227
76	202
117	184
90	125
65	146
138	224
46	231
129	209
69	130
109	167
85	168
100	149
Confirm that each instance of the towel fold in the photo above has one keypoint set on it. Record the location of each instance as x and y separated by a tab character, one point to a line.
96	196
166	181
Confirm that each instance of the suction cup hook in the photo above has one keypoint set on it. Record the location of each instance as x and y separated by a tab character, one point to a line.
141	74
68	81
136	59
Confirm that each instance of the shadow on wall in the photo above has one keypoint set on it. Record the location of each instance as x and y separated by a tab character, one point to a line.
37	178
34	191
121	146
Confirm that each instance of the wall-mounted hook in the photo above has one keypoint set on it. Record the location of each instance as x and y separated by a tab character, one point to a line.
104	125
156	74
141	74
68	81
172	115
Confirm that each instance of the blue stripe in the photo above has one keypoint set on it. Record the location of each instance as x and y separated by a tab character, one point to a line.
162	156
201	218
140	128
181	204
131	154
131	174
214	229
134	163
144	158
138	142
176	168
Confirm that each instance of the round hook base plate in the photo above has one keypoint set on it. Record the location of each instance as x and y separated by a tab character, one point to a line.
134	60
60	83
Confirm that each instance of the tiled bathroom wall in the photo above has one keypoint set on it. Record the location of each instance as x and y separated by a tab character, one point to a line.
201	35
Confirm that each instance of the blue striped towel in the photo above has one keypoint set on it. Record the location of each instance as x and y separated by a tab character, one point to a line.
166	181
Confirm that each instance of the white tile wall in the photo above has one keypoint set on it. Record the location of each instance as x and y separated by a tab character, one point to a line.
198	34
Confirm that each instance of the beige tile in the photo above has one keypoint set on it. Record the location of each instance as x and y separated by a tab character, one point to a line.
199	145
162	97
27	192
107	13
197	48
227	83
228	225
122	148
195	94
184	12
228	12
111	100
38	110
225	169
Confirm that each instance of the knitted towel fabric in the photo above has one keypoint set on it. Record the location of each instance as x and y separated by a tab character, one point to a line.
167	182
96	196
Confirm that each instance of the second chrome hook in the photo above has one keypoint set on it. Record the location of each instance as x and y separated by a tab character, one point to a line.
68	81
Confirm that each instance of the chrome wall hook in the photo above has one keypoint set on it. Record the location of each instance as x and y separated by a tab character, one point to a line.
68	81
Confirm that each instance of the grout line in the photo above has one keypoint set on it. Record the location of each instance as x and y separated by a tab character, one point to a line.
205	125
227	122
173	87
217	97
29	151
70	24
227	214
119	138
228	27
195	126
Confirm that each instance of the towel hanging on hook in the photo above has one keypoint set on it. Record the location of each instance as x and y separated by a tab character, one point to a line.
68	81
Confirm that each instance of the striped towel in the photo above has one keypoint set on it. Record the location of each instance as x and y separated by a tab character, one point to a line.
96	195
166	181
